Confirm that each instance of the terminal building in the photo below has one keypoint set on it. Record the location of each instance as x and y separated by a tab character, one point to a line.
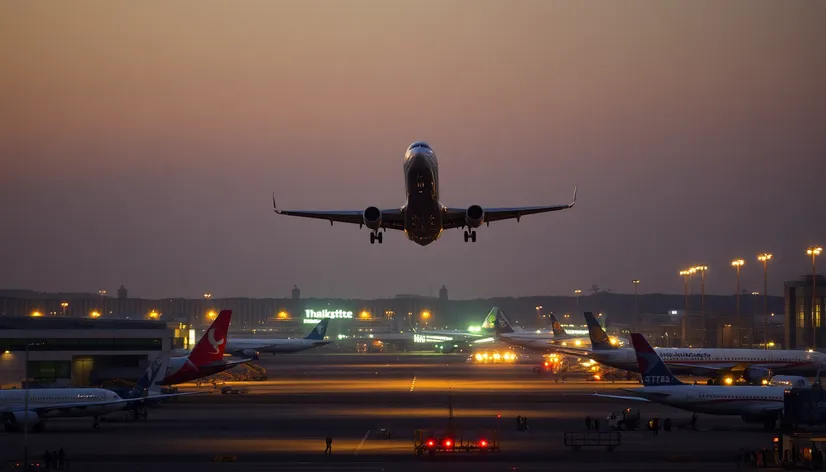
79	352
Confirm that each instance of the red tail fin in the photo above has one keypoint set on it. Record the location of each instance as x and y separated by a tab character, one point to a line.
212	344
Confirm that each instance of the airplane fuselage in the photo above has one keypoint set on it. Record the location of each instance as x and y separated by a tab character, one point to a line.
785	362
275	346
732	400
422	210
54	396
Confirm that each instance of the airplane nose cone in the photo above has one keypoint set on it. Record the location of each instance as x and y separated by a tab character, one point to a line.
417	158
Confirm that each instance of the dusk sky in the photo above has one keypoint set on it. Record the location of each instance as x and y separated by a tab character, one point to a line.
141	143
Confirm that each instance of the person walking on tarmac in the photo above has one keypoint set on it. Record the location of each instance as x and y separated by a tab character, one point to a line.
329	449
655	426
47	459
667	425
61	459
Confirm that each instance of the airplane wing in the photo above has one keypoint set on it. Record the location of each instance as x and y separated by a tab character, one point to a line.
695	369
390	219
621	397
455	217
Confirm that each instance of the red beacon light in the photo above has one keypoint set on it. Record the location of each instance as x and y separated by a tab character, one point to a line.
483	443
430	443
448	443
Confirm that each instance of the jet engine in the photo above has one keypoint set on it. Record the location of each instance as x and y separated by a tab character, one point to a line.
372	218
474	216
246	354
20	418
756	375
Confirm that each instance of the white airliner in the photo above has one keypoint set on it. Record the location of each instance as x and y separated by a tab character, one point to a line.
44	403
544	342
755	365
251	347
754	404
423	217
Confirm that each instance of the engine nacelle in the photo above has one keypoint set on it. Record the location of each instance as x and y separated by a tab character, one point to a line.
247	354
21	418
372	218
790	381
474	216
756	375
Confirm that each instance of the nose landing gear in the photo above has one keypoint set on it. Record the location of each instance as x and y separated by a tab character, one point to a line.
470	235
375	236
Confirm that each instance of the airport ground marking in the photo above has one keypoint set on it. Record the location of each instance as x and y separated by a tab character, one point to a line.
363	440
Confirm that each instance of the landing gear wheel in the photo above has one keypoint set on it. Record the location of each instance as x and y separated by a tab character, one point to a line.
379	237
467	236
372	238
470	236
96	423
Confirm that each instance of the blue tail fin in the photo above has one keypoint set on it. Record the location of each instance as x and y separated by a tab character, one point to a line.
653	369
599	338
154	374
502	324
556	327
320	330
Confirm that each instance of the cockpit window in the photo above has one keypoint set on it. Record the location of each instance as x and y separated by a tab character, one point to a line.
420	144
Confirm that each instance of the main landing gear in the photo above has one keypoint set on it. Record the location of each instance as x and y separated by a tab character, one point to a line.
375	236
96	423
470	235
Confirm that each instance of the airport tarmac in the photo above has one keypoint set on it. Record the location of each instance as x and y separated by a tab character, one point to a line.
282	423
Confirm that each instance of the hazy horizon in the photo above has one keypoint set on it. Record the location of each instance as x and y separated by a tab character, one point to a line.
142	143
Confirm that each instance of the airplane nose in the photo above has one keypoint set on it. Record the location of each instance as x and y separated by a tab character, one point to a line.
417	158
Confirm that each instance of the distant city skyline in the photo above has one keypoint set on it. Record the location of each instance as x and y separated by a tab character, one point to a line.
142	143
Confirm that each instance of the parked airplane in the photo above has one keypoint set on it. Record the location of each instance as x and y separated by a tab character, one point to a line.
543	341
423	217
206	358
16	410
756	366
251	347
754	404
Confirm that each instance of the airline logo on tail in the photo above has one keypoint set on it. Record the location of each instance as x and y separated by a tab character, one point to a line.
319	331
599	338
502	323
490	320
556	326
211	346
654	371
216	344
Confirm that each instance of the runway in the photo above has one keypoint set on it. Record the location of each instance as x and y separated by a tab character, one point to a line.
285	420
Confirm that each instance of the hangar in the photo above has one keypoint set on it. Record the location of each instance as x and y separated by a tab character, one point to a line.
80	351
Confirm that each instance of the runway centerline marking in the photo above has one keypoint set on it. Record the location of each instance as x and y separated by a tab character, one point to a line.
356	452
413	383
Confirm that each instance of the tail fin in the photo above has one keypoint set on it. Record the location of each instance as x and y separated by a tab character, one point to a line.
556	327
502	324
599	338
151	378
212	344
653	369
489	325
320	330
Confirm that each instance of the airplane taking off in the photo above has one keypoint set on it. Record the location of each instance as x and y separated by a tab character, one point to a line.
754	404
16	410
757	366
251	347
206	358
423	217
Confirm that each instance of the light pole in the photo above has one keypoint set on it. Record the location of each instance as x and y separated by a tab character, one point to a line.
737	264
753	318
26	410
207	296
814	251
539	316
685	273
636	315
764	258
702	270
64	305
577	292
102	306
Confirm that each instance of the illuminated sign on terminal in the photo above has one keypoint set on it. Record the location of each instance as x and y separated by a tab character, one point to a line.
317	315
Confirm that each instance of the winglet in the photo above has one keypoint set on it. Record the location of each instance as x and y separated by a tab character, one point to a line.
274	208
573	202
